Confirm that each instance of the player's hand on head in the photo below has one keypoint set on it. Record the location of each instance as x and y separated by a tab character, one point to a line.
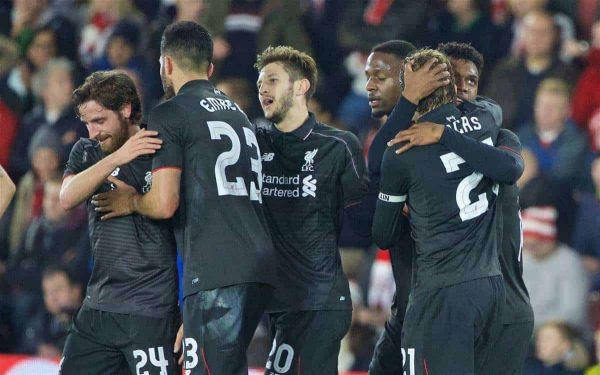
422	134
144	142
421	83
117	202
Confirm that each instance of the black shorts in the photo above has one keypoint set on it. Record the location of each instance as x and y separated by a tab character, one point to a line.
511	349
218	326
101	342
451	330
307	342
387	356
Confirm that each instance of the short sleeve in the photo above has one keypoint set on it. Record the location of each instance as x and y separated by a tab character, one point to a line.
166	120
78	159
354	179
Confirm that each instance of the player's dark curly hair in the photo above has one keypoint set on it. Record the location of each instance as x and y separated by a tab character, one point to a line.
443	95
462	51
112	90
297	64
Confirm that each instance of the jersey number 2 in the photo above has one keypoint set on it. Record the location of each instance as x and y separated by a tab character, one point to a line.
217	130
468	210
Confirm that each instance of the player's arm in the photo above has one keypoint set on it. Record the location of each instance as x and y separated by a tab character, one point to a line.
7	190
162	200
503	163
79	186
355	186
389	222
417	85
354	179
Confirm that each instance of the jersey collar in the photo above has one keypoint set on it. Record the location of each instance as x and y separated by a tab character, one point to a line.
197	84
443	111
301	132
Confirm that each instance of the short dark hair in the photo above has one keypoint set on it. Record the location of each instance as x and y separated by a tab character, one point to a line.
112	90
297	64
190	45
400	48
462	51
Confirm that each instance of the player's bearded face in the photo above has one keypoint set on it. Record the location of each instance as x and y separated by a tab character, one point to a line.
113	140
282	107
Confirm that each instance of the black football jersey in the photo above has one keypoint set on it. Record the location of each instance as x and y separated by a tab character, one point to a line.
134	269
220	225
452	207
309	176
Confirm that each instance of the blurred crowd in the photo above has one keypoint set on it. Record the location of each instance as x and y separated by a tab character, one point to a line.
542	65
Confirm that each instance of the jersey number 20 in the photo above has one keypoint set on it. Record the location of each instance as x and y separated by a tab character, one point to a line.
217	130
468	210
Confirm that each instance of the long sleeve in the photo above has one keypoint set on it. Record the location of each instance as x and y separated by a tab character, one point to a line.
502	164
397	121
389	222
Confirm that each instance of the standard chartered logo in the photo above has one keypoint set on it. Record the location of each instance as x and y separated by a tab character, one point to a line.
289	186
309	186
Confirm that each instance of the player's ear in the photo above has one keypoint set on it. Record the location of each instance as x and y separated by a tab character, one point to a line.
211	69
302	86
126	110
169	65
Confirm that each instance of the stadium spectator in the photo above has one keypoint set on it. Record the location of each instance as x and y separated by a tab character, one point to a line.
242	28
560	148
467	21
46	157
103	16
38	52
123	51
514	80
46	331
321	19
53	85
553	272
56	237
587	237
29	15
558	351
354	112
379	21
586	98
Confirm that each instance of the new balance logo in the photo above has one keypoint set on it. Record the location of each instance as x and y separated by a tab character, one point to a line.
309	160
268	156
309	186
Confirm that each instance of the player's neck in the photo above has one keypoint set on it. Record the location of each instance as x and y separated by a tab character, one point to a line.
179	81
293	119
